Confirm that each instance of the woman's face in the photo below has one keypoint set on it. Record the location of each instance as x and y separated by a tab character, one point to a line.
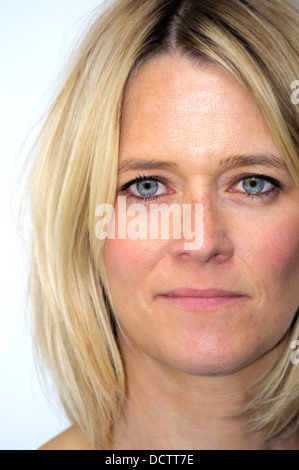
183	129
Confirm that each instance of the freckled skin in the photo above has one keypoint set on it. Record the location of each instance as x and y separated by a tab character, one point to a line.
181	113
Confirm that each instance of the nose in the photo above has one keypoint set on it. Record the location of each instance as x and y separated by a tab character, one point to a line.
214	239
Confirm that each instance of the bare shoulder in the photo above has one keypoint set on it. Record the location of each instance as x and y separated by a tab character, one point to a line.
71	439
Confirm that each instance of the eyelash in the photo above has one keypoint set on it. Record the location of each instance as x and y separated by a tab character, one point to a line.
276	186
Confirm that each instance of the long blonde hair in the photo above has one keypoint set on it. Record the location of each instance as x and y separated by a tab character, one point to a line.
75	169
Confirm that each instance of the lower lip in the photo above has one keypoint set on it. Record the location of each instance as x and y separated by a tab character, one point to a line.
199	303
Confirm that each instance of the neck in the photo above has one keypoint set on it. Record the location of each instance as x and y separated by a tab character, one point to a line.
167	409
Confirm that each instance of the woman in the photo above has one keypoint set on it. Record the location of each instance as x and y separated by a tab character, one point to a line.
154	345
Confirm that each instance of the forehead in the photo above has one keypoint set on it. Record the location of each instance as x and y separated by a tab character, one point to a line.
175	107
206	84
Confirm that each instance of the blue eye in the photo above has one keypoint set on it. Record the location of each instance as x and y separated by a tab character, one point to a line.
147	187
253	184
259	186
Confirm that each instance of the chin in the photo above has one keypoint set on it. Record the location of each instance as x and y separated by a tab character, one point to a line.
220	360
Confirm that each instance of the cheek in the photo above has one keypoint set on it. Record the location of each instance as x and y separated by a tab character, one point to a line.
127	261
121	258
283	258
285	253
274	249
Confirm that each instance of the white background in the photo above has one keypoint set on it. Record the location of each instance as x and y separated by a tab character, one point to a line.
35	38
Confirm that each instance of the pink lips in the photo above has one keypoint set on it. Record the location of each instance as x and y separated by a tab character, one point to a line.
200	299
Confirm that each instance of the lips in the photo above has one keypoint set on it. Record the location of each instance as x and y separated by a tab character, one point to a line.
195	299
202	293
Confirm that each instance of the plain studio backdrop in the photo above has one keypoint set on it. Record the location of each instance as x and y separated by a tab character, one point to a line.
36	37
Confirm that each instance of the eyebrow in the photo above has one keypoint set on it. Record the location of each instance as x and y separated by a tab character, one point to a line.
268	160
141	164
263	159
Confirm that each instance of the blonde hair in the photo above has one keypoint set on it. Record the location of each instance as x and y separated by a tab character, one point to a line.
75	169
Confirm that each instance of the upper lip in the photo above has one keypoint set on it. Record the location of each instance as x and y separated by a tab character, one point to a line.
205	293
